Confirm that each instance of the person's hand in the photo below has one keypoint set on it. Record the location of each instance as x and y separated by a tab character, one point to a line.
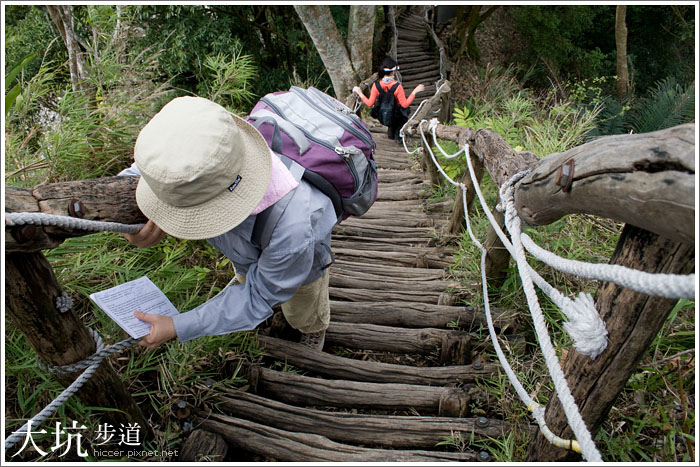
149	235
357	90
162	329
418	89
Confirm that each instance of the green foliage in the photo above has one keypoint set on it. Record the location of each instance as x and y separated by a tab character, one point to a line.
668	104
13	93
28	29
561	36
271	34
543	126
228	80
189	273
67	136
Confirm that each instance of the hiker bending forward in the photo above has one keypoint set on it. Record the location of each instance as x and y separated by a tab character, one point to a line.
387	81
206	174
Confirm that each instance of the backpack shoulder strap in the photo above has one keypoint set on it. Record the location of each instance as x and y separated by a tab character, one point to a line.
379	87
394	87
266	221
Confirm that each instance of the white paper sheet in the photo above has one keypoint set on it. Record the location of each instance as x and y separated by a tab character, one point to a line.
141	294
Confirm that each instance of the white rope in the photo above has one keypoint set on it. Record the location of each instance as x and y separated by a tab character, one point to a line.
578	426
660	285
37	218
537	411
92	363
401	132
574	418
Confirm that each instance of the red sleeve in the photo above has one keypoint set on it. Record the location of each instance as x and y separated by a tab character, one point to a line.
372	96
401	97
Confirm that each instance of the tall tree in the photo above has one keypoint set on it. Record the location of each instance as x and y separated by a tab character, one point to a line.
62	17
468	20
360	37
623	76
344	67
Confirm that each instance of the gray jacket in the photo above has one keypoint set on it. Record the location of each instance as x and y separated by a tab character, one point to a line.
298	253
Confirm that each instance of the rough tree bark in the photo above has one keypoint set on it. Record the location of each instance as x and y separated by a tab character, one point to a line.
62	17
340	63
468	20
360	38
632	319
60	338
623	77
320	25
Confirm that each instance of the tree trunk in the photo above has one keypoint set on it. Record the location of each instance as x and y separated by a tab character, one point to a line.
320	25
62	17
60	338
361	37
633	320
621	46
457	224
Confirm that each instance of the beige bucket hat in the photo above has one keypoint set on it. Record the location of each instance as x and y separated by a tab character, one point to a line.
203	169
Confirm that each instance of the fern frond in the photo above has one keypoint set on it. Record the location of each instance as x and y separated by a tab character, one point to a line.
669	104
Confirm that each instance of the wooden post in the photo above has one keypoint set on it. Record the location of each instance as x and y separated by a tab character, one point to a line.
633	320
429	166
497	257
60	338
457	224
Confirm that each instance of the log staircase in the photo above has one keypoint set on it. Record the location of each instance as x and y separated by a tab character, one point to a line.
416	53
401	362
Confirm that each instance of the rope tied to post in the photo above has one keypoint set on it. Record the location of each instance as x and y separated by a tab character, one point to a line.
90	364
64	303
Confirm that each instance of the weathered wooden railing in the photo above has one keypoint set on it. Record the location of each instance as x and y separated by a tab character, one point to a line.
646	181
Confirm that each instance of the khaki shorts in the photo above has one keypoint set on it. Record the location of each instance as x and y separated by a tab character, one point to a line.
309	310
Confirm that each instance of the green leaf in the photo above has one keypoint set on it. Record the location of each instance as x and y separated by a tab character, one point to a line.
10	98
17	69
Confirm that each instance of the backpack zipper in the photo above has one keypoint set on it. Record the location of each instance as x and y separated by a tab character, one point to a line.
332	115
340	150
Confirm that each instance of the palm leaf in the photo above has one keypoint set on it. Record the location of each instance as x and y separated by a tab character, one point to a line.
669	104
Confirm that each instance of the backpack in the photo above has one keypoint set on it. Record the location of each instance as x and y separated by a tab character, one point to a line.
384	108
321	141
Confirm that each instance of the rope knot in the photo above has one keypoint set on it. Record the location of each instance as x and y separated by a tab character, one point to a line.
64	303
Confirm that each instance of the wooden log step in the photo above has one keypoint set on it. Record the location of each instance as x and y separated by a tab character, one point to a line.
380	219
431	74
403	57
292	446
388	431
390	176
452	346
366	280
364	295
394	258
398	195
202	445
379	245
418	274
408	61
403	205
418	315
412	21
416	214
333	366
414	183
399	242
304	391
385	231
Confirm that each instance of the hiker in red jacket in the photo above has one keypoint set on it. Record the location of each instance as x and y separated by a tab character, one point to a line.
386	110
